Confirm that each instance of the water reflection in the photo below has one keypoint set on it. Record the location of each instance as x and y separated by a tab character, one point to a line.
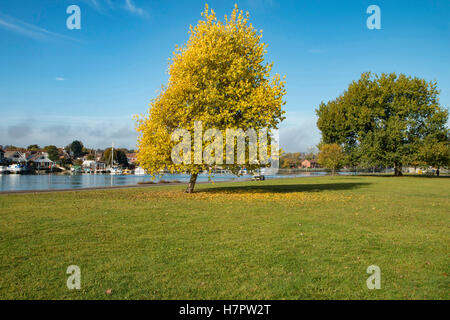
13	182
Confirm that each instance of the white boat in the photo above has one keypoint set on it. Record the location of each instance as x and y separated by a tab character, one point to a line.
139	171
115	170
15	168
3	170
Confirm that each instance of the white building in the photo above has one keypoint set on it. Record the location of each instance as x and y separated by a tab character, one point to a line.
89	164
15	157
42	161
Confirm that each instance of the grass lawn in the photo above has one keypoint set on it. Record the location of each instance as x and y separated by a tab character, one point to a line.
304	238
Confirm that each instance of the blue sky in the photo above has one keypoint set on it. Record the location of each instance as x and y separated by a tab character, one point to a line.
57	85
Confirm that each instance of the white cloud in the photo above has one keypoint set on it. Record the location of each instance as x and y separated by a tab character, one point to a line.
59	79
104	6
100	6
29	30
94	3
299	132
94	132
129	6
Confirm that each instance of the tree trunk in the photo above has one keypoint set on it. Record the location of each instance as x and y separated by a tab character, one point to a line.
397	170
191	185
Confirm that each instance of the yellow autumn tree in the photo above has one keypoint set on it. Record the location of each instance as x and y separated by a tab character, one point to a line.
219	78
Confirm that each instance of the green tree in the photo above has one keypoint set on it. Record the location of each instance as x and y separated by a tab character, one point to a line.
311	154
76	147
290	160
33	148
220	78
53	152
435	153
120	157
331	156
384	120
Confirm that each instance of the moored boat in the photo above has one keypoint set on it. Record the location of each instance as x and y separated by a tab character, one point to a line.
16	168
115	170
139	171
4	170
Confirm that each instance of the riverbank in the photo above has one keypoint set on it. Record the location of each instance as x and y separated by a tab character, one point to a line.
139	185
91	181
274	239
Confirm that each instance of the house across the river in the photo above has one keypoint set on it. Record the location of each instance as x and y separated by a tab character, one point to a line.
310	164
41	161
15	157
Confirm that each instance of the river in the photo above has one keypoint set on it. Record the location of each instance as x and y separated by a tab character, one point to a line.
19	182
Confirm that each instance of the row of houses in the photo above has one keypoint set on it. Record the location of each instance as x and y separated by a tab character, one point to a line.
26	156
42	160
39	159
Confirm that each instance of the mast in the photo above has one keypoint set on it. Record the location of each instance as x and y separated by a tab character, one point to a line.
112	155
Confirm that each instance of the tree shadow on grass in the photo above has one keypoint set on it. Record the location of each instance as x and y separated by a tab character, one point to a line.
404	176
287	188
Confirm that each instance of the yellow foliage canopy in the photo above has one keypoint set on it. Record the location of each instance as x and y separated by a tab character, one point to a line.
218	77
